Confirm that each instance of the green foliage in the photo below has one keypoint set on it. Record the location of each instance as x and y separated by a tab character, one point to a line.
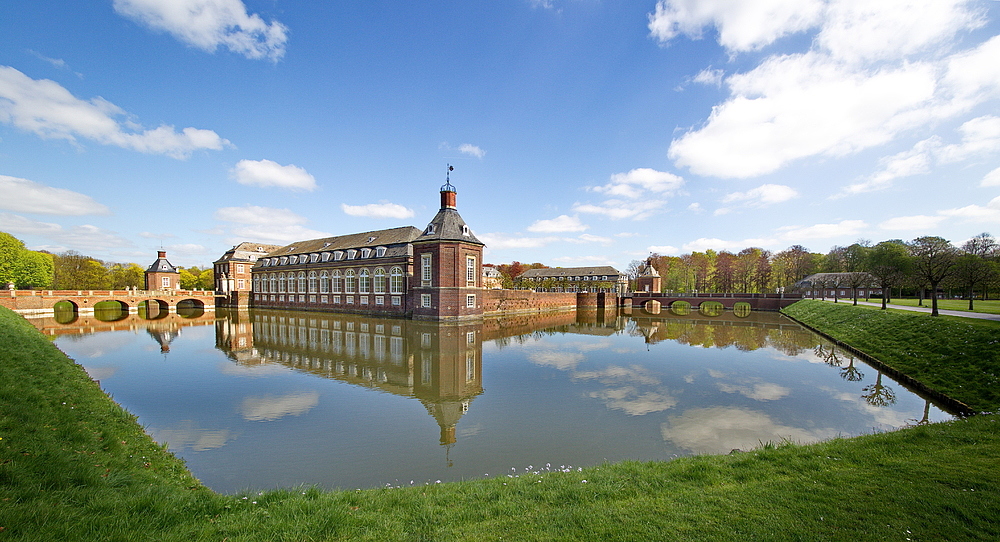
25	268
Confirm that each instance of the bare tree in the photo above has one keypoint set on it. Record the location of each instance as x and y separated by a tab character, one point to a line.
934	261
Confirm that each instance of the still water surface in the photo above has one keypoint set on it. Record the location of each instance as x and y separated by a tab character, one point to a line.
265	399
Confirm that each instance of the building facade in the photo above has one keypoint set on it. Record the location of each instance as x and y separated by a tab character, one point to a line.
838	285
574	279
162	275
433	274
233	270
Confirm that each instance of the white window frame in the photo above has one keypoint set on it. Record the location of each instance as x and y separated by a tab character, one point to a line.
425	300
470	301
426	273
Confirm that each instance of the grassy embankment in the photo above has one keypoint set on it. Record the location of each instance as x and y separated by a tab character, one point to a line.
74	466
991	306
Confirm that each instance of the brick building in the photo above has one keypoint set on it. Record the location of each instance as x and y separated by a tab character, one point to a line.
232	270
574	279
162	275
433	274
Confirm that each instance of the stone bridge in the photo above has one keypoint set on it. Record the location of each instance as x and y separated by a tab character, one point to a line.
42	302
654	303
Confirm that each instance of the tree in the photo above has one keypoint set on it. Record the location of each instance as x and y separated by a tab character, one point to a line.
22	267
934	260
853	259
127	275
74	271
890	263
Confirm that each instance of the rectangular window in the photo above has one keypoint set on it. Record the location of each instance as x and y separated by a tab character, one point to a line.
336	299
396	300
380	300
165	281
470	301
425	268
470	271
302	299
324	299
425	300
364	300
312	298
239	268
350	300
241	284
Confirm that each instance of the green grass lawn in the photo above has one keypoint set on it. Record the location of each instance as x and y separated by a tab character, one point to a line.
991	306
75	466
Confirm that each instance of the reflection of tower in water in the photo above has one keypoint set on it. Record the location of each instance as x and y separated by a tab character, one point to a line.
163	334
439	364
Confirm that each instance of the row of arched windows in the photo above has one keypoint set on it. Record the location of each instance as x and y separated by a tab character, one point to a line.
350	281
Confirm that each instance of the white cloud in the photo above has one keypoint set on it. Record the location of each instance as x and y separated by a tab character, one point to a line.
795	106
187	249
266	224
471	150
765	194
742	26
272	407
875	71
889	29
702	244
208	24
187	436
977	213
378	210
912	223
560	360
267	173
637	182
83	238
718	430
50	111
992	178
980	136
150	235
618	209
904	164
708	76
501	241
588	238
26	196
560	223
844	228
664	250
585	260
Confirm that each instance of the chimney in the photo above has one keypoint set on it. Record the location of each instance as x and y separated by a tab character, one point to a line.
161	254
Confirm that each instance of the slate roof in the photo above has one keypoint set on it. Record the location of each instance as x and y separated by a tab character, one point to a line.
570	272
369	239
161	265
448	225
247	252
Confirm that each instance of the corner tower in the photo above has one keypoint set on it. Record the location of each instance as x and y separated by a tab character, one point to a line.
448	260
162	275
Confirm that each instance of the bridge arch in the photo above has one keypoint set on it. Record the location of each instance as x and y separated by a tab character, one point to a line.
652	306
680	307
711	308
110	310
190	308
154	309
65	311
742	309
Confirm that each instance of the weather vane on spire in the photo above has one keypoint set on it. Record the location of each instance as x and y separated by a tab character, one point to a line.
447	180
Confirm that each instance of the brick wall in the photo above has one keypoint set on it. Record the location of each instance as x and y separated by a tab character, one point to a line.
514	301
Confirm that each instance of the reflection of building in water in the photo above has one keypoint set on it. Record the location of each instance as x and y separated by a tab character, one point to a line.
163	333
745	333
439	364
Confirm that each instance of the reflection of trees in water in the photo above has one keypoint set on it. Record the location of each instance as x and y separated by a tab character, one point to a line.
878	394
852	373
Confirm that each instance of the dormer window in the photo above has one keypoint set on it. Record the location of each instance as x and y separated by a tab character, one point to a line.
326	245
465	230
292	260
430	229
379	252
366	252
325	256
260	249
338	255
371	239
284	260
313	258
351	254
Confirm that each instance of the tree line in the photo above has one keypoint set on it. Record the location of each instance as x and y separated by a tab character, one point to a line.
28	269
925	264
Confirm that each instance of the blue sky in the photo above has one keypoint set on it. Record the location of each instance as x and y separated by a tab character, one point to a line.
582	132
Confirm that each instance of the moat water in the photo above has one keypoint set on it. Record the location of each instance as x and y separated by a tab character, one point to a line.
265	399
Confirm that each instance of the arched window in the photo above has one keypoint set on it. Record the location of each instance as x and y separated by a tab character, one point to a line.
302	282
324	283
396	281
338	283
364	282
256	284
281	283
274	283
349	282
379	280
312	282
